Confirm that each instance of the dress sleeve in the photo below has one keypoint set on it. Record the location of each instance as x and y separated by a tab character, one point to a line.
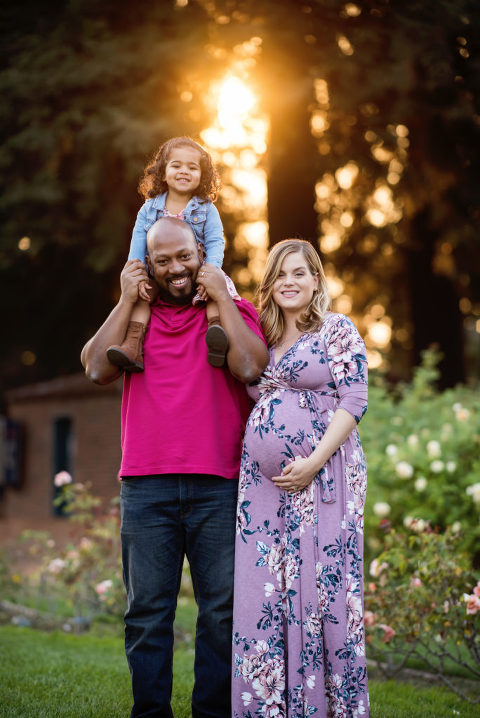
138	244
347	361
213	240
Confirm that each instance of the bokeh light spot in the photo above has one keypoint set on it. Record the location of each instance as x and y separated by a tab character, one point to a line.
24	244
28	358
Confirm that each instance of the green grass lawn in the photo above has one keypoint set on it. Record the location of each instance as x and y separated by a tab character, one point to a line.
50	675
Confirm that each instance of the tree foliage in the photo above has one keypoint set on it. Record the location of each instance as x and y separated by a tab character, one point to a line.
91	88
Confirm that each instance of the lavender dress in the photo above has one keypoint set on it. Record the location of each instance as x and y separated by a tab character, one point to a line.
298	634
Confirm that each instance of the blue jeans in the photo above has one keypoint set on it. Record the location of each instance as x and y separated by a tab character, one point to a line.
165	518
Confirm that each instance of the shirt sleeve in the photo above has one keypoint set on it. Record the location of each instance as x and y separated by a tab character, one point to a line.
138	243
213	240
250	317
346	356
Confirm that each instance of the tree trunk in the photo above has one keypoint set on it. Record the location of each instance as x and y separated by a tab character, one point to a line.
435	312
293	157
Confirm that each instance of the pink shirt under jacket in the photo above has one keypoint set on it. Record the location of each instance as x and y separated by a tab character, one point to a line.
181	415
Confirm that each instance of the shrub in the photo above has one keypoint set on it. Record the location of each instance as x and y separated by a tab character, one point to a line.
422	600
423	458
87	572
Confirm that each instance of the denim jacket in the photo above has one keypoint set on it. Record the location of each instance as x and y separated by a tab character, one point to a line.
201	215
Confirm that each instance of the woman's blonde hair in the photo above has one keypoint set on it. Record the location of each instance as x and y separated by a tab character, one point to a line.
271	315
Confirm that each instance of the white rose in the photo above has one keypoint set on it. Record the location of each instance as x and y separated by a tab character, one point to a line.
404	469
456	527
462	414
381	508
62	478
391	450
419	525
56	565
412	440
421	483
434	449
437	466
451	466
408	521
474	492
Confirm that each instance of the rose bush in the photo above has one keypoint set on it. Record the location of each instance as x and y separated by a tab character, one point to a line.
423	458
87	571
422	600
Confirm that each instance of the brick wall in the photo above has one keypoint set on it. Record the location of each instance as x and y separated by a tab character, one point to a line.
95	448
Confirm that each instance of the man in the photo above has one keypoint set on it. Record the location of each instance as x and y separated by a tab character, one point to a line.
182	425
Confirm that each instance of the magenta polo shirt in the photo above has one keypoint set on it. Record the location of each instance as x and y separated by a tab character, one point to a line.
182	415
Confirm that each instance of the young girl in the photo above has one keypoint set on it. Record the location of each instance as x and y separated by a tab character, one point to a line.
181	182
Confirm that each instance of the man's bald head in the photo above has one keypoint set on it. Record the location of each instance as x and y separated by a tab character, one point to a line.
173	259
168	228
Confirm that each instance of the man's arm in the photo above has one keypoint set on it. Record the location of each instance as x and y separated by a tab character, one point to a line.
247	355
112	331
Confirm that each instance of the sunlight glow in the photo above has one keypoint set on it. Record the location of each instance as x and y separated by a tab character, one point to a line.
255	233
352	10
321	92
345	45
235	125
374	359
376	217
335	286
237	139
380	153
346	219
235	101
322	190
380	333
318	123
381	207
343	304
347	175
330	242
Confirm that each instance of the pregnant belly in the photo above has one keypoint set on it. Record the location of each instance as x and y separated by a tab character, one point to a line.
275	445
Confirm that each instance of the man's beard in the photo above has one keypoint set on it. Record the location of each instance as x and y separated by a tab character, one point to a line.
181	301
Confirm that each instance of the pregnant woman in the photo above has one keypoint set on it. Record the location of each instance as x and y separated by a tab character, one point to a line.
299	641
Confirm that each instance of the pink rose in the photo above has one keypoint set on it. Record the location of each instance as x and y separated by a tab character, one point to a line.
388	632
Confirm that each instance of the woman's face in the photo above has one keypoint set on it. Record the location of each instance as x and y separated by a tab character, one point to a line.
295	285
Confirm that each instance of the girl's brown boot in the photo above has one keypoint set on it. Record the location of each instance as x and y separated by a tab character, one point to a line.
129	354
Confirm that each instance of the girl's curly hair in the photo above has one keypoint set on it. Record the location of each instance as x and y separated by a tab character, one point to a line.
152	182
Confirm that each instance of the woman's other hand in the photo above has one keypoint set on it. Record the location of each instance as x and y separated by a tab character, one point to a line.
296	475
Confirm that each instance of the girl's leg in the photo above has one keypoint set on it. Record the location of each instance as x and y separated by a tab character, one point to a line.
216	338
129	354
141	312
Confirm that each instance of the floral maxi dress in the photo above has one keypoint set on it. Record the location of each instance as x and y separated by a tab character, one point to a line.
298	633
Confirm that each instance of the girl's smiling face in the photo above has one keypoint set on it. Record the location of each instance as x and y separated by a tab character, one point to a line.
295	285
183	170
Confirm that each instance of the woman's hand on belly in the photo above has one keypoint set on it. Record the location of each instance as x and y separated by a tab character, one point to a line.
296	475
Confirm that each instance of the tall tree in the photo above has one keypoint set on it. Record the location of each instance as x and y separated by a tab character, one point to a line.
397	107
374	153
86	97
